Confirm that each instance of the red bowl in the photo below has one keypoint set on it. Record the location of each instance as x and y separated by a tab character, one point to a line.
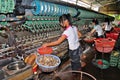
89	40
45	50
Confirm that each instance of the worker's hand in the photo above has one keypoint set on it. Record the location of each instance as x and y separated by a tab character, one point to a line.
89	34
45	45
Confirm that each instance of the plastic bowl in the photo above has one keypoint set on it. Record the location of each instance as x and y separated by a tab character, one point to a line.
105	64
48	68
101	63
89	40
44	50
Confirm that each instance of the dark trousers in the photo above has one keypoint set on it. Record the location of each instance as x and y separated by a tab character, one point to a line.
75	59
100	36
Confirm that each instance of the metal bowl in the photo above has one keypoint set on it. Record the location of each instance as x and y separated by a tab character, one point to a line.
16	65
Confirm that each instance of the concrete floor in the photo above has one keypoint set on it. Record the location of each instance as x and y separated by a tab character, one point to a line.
111	73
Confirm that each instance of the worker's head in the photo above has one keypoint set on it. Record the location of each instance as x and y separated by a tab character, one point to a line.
95	22
107	20
65	20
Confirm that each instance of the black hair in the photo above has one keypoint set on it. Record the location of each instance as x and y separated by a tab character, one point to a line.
65	17
95	21
107	20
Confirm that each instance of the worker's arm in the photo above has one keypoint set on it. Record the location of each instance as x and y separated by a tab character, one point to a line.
79	34
61	39
91	32
103	26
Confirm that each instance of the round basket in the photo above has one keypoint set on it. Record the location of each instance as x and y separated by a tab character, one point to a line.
104	45
73	75
112	35
48	68
116	30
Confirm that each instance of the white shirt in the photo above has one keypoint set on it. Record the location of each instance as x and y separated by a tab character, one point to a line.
98	29
107	27
72	37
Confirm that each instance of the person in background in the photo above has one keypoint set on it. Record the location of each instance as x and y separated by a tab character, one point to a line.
72	34
107	26
97	30
119	24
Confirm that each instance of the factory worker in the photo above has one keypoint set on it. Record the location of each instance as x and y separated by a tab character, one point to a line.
97	30
72	34
107	26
